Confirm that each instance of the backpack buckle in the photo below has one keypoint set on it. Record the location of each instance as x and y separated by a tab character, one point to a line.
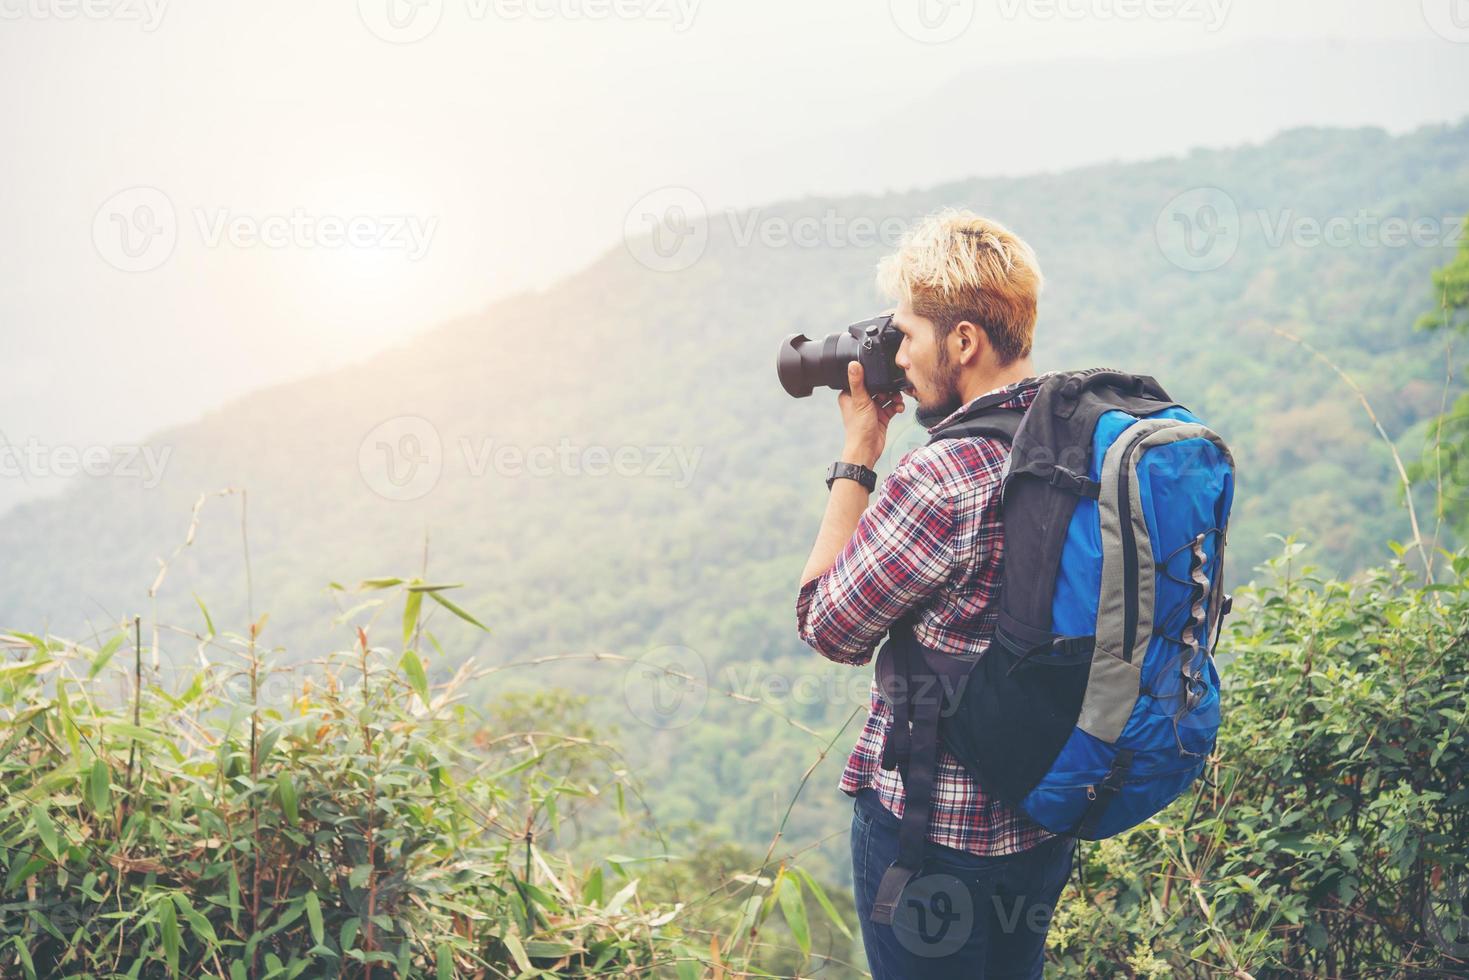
1072	482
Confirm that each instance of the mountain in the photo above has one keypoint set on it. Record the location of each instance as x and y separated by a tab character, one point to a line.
612	468
1099	109
838	104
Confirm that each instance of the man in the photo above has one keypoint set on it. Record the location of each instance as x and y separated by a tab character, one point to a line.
967	291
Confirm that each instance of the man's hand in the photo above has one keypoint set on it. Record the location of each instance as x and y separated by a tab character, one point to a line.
865	418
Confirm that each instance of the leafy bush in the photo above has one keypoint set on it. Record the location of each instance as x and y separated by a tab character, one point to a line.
250	821
1332	837
239	824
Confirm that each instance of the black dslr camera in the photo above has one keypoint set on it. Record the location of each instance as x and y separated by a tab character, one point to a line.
804	364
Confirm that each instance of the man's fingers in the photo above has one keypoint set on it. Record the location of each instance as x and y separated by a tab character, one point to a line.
854	380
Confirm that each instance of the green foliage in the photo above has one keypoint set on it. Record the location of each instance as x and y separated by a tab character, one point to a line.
1445	461
1332	836
234	824
569	564
127	841
1451	292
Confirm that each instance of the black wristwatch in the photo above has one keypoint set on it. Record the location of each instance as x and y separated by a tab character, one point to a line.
851	471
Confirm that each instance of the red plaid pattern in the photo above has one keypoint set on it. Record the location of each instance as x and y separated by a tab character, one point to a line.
932	538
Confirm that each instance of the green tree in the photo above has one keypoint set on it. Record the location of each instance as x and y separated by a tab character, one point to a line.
1331	835
1445	462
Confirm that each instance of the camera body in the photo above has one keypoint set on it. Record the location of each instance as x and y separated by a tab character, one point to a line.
804	364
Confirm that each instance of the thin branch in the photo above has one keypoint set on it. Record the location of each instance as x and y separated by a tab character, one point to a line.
1397	459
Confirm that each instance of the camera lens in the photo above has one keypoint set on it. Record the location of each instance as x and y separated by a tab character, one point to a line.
788	366
804	364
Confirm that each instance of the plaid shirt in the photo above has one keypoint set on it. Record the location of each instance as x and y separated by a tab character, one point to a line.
932	538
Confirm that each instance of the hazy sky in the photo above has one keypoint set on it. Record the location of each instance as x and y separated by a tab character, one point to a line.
198	199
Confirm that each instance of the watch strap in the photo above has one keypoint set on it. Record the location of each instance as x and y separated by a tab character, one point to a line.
851	471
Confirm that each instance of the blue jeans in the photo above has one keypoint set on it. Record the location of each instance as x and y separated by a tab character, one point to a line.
963	915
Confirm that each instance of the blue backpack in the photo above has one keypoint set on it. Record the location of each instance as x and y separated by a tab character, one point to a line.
1096	703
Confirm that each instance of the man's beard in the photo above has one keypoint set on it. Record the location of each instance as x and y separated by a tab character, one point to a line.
949	400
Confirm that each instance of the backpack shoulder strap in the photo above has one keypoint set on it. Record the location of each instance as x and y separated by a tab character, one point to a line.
912	747
996	423
1048	474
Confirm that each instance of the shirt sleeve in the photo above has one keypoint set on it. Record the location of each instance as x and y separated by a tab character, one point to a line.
900	554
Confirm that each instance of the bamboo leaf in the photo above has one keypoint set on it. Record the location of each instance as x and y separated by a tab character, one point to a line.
104	656
25	957
200	925
208	622
413	667
793	907
823	901
99	786
512	943
169	926
46	828
313	916
411	609
286	787
449	605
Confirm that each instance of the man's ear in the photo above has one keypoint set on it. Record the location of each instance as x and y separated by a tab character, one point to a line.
972	343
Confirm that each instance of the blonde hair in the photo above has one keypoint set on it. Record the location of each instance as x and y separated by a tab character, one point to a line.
954	266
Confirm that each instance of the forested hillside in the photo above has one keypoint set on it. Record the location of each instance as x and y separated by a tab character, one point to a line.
607	749
691	545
